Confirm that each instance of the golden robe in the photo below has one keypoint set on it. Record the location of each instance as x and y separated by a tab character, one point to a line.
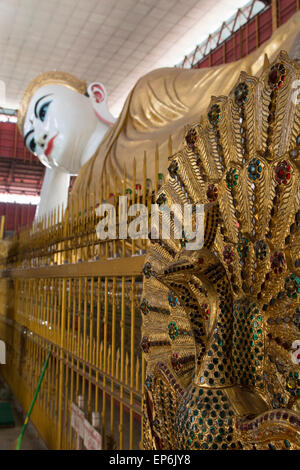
161	104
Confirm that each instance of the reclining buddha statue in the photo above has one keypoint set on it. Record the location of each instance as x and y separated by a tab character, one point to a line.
221	324
67	124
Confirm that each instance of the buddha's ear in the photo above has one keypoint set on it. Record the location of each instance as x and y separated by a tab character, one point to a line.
98	96
97	92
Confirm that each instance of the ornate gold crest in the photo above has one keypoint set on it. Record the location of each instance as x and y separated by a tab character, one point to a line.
221	325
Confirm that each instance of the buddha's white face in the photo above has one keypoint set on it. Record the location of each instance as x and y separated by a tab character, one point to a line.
58	124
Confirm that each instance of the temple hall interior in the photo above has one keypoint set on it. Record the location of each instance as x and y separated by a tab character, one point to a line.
149	225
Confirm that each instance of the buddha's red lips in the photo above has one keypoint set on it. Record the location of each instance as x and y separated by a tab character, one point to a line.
50	146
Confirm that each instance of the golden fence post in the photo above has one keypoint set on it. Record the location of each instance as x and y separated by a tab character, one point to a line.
105	361
132	331
61	355
274	15
113	347
84	333
61	363
133	198
124	194
91	334
144	190
156	168
78	332
2	225
98	342
170	146
121	426
72	356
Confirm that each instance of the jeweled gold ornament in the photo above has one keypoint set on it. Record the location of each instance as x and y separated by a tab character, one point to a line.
239	387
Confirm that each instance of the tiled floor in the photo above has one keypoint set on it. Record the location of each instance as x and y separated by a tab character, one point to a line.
8	436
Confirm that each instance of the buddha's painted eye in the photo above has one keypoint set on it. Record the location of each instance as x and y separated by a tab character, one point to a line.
32	145
43	111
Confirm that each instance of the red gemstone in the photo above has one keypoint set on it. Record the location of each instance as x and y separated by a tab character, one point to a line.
273	76
211	193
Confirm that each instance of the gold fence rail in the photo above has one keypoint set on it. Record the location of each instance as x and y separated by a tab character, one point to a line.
64	290
91	326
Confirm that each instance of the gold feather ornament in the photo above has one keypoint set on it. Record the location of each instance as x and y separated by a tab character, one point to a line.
221	325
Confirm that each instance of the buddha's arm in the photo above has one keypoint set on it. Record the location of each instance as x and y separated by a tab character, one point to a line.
54	192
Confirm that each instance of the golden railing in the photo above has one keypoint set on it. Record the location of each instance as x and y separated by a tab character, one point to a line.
65	291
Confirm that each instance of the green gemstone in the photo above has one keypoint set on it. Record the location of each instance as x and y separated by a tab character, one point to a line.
287	444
